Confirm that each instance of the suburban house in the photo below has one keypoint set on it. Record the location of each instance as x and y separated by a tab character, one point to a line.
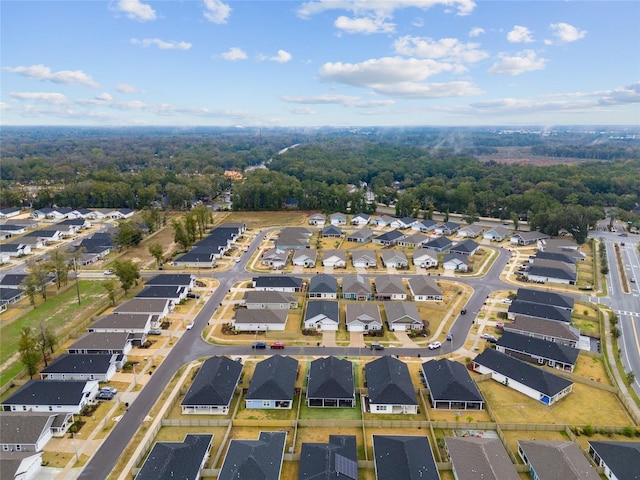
382	220
496	234
535	350
474	458
538	310
293	238
550	330
322	315
389	387
408	457
361	235
447	228
47	236
425	258
546	298
394	259
274	300
356	287
388	238
556	256
364	258
360	219
402	316
72	226
455	262
4	257
439	245
552	271
100	342
528	238
15	249
305	258
172	280
198	257
450	386
336	459
261	458
34	243
334	258
619	460
31	431
470	231
139	323
424	289
81	367
278	283
403	223
255	320
323	286
424	226
12	229
389	287
52	396
272	384
413	241
466	247
318	219
330	383
522	377
362	317
550	460
158	307
9	296
338	219
213	388
180	460
9	212
275	258
332	231
173	293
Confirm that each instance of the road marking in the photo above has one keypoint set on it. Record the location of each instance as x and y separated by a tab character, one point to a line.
631	314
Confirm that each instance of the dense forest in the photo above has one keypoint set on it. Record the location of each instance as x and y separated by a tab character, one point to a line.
417	170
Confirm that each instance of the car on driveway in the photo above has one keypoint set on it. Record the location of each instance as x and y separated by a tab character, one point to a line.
277	345
486	335
376	346
105	396
192	295
491	339
434	345
111	390
507	301
259	345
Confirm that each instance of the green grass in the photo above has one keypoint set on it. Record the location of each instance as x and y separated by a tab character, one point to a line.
317	413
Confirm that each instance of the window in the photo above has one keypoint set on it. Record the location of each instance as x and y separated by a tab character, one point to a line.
266	403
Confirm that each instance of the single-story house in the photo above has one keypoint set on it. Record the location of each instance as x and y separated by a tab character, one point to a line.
447	228
356	287
198	257
388	238
124	322
470	231
337	459
450	386
455	262
536	350
275	258
273	383
528	238
277	283
466	247
332	231
424	289
158	307
408	457
175	294
402	223
620	460
394	258
360	219
318	219
389	287
382	220
9	296
81	367
334	258
413	241
522	377
331	383
496	234
213	388
484	458
362	317
424	226
550	330
47	236
402	316
546	298
52	396
439	245
364	259
323	286
30	431
361	235
305	258
101	342
275	300
551	460
15	249
34	243
180	460
293	238
538	310
13	229
9	212
261	458
338	219
172	280
425	258
551	271
389	386
254	320
322	315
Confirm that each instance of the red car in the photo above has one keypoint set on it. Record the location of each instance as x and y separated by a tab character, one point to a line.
277	345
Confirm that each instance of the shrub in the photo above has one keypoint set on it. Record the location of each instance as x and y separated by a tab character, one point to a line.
628	431
588	430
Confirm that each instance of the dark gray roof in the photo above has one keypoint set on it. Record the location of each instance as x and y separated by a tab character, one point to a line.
540	310
178	279
273	379
465	247
48	392
552	272
323	283
170	292
546	298
42	233
438	243
251	296
254	459
261	316
389	382
278	281
455	256
176	460
622	458
355	284
9	294
11	463
404	457
522	372
391	236
81	363
215	383
538	347
331	230
24	427
450	381
143	305
549	328
337	459
121	320
101	341
13	280
331	377
557	256
557	460
328	308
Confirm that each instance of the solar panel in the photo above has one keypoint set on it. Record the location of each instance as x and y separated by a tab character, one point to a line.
346	466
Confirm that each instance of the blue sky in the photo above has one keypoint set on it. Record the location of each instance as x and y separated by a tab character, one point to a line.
320	62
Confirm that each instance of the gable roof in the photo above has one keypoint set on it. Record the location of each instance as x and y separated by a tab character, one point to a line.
530	236
522	372
80	363
428	224
101	341
424	285
251	296
474	229
538	347
545	298
177	279
331	230
484	458
399	312
558	270
180	460
550	328
261	316
340	254
323	283
389	382
447	380
366	313
19	428
392	236
465	247
171	292
327	308
424	252
404	456
122	320
393	255
330	377
367	255
337	459
559	459
215	382
455	258
361	233
498	231
389	284
273	379
622	458
305	253
356	284
438	243
143	305
48	392
415	239
539	310
277	281
254	459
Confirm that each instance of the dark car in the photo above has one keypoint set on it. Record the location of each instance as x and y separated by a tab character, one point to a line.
277	345
377	346
259	345
193	295
450	336
492	340
105	396
463	311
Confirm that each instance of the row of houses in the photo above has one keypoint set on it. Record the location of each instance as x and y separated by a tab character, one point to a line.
205	252
58	213
554	262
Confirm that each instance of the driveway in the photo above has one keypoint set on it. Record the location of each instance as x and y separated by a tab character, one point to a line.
404	338
329	338
356	339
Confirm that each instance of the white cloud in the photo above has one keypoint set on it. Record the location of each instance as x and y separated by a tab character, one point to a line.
364	25
234	54
429	90
565	33
45	97
162	44
448	49
136	10
126	88
380	8
344	100
67	77
520	34
621	95
525	61
476	32
104	97
302	111
282	57
216	11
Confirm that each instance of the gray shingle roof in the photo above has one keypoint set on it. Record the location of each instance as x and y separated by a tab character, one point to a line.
254	459
328	460
20	428
81	363
450	381
622	458
389	382
546	298
328	308
560	459
215	383
539	310
331	377
278	281
480	458
48	392
273	379
323	283
178	460
538	347
404	457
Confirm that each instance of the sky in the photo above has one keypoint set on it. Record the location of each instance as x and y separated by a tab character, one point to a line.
319	63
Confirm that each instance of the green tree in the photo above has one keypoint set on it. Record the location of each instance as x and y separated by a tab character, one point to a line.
152	218
111	286
156	250
39	276
46	340
128	235
180	235
203	217
29	351
59	265
127	272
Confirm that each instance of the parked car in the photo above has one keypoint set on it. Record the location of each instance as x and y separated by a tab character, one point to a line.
259	345
155	332
492	339
376	346
450	336
434	345
277	345
189	325
508	301
111	390
500	324
486	335
108	272
192	295
105	396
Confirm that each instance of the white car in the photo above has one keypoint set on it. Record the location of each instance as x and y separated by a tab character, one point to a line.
189	325
508	301
108	272
434	345
486	335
